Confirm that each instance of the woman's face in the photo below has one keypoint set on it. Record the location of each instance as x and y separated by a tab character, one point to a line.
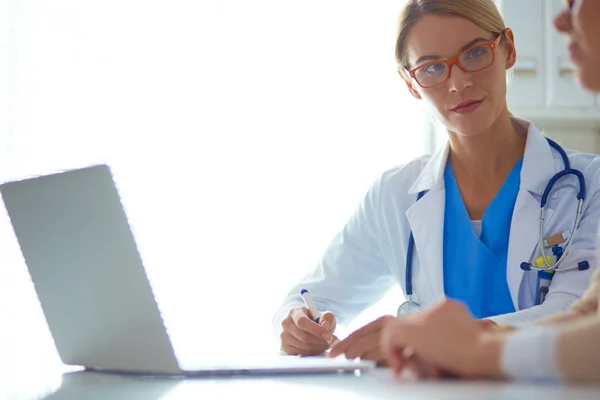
581	24
468	103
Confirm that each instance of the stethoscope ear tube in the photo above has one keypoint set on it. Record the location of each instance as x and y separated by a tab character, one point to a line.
580	199
555	178
409	257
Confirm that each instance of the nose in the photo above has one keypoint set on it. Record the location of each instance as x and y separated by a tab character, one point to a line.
459	80
562	21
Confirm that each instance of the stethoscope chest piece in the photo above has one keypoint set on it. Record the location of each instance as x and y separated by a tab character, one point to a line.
408	307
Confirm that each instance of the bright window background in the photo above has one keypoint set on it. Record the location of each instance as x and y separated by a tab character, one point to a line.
242	135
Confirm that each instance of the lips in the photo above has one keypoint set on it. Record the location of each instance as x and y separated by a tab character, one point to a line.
466	106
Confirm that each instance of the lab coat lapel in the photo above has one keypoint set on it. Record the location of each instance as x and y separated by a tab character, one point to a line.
524	230
426	220
538	167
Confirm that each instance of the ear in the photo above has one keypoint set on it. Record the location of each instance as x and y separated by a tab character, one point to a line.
409	83
509	48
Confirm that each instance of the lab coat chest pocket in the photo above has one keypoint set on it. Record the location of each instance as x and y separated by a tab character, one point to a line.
527	289
551	225
560	216
549	229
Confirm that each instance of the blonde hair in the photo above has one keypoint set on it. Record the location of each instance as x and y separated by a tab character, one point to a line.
481	12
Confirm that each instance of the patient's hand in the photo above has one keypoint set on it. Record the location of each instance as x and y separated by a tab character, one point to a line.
490	326
363	342
445	337
407	366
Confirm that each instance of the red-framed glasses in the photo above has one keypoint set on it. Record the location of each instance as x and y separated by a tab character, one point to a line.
474	59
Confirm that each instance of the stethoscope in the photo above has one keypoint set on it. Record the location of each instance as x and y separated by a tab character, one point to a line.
548	268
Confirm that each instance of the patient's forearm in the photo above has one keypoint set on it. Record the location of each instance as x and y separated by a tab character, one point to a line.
569	351
561	318
579	350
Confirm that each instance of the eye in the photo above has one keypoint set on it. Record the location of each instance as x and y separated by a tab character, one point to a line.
476	52
435	68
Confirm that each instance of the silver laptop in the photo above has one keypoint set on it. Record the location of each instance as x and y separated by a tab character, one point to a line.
91	283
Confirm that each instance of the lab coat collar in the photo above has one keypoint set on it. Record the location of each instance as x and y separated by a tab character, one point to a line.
538	163
432	174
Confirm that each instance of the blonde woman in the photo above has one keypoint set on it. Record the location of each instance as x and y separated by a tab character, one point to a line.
564	346
462	223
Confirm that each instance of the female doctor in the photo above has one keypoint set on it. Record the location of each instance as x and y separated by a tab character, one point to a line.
463	223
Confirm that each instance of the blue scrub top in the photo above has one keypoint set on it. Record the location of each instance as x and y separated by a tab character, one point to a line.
475	267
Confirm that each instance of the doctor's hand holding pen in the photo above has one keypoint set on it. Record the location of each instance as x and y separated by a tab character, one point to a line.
307	331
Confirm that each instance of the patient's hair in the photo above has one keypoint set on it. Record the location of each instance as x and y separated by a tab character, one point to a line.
481	12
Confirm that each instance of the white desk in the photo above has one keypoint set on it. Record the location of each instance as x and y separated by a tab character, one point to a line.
30	369
372	385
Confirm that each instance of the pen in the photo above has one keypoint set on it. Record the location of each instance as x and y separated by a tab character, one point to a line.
314	313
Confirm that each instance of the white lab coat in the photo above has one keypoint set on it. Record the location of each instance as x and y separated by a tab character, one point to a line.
369	255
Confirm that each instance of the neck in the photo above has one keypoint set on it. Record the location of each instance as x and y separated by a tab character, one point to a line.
489	155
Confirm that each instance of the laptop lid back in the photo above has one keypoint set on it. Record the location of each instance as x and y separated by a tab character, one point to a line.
87	272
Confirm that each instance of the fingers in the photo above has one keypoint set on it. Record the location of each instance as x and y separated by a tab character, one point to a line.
359	344
334	340
290	350
393	336
421	369
301	319
293	346
487	325
306	337
340	347
303	336
363	346
406	365
394	348
490	326
375	355
362	340
396	361
328	321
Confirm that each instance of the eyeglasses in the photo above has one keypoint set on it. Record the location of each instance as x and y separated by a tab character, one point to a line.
473	59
